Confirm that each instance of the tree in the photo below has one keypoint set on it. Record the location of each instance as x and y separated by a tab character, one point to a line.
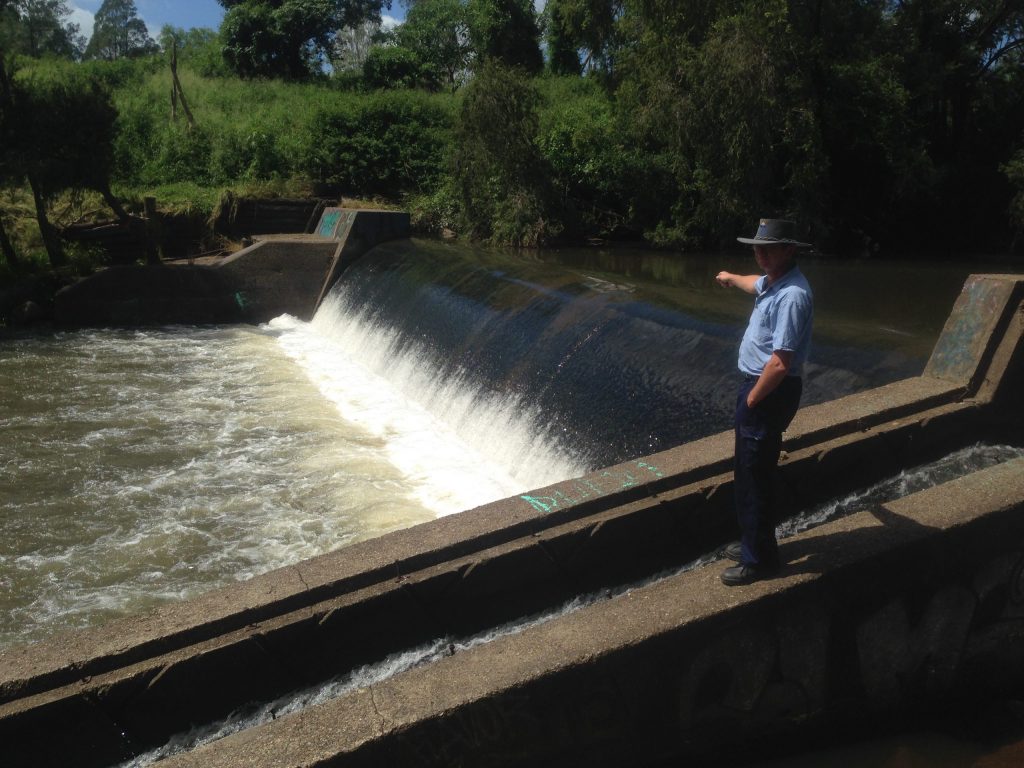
43	31
506	31
199	47
9	170
963	67
190	42
38	28
503	183
587	26
392	66
119	33
61	138
352	45
562	45
291	39
437	31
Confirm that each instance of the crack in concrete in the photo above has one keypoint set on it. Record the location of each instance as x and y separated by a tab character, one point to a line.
373	701
298	572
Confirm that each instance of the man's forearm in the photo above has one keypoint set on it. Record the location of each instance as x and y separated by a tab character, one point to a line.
775	371
746	283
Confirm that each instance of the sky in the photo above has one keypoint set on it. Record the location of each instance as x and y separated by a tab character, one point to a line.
179	13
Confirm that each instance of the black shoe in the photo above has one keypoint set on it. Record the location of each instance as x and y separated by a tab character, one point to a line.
733	551
739	575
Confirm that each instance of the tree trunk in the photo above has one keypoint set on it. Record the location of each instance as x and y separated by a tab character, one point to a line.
7	248
54	249
177	93
103	188
152	231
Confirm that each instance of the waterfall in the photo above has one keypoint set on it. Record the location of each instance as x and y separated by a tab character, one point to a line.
488	372
484	380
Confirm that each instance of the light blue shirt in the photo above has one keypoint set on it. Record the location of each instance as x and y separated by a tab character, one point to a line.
782	319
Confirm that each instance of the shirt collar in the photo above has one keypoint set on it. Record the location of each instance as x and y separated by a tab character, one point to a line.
787	277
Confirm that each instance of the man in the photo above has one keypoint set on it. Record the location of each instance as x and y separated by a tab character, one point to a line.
771	360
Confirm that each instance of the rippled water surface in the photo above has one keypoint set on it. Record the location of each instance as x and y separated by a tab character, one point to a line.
138	467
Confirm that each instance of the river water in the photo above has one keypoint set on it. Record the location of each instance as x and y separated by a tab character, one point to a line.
143	466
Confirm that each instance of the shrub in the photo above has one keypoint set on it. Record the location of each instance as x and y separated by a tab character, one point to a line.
503	180
392	66
387	143
182	153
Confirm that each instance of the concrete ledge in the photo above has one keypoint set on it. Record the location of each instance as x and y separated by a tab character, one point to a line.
129	296
231	646
909	604
29	669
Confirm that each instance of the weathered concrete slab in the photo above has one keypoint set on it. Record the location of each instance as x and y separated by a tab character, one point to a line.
916	603
278	276
975	328
291	274
358	231
147	295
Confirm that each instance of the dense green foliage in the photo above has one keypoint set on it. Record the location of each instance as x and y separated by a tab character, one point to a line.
384	144
502	179
870	120
436	34
506	32
58	135
38	28
883	126
287	38
450	38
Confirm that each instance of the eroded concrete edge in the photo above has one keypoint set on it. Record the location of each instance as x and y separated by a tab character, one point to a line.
880	610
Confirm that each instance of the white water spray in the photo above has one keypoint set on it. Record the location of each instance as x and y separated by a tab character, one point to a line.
458	445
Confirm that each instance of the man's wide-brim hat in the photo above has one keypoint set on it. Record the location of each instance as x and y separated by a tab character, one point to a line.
774	232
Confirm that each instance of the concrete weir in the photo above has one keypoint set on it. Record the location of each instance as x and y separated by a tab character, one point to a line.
901	608
274	275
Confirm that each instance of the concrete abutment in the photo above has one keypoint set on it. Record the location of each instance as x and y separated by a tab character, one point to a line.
276	274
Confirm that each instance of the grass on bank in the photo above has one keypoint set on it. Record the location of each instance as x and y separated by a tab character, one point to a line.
391	148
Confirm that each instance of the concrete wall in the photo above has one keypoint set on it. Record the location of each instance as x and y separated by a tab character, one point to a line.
147	295
906	607
276	275
100	694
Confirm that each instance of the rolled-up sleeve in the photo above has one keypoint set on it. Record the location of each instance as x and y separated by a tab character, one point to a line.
793	322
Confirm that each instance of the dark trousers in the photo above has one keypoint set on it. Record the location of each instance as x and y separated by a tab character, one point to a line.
758	445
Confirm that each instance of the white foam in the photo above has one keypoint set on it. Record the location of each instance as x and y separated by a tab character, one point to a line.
457	445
